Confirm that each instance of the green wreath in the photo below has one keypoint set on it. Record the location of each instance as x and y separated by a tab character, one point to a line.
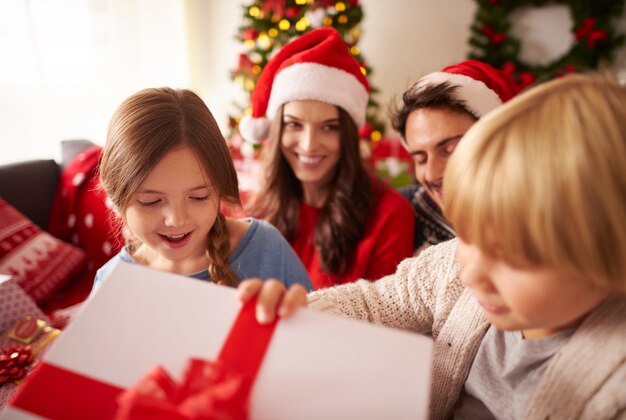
595	39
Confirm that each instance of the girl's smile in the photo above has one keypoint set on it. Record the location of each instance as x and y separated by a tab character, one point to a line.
172	213
311	144
176	241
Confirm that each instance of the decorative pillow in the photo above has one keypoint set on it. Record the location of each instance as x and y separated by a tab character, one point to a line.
39	263
81	215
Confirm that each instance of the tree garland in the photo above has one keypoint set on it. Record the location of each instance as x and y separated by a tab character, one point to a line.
595	39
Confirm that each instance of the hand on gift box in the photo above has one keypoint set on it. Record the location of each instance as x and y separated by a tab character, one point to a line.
273	298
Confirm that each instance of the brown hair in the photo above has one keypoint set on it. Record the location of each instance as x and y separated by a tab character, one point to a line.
419	96
148	125
341	223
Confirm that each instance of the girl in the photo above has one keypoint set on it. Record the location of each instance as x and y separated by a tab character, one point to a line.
530	322
343	224
167	169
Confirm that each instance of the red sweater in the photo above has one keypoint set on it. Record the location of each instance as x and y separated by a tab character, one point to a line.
387	240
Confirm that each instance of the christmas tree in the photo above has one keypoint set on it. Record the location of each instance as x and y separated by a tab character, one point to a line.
270	24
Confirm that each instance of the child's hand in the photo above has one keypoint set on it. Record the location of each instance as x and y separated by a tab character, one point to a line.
273	299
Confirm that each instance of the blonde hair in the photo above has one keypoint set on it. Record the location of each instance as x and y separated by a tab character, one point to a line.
148	125
542	179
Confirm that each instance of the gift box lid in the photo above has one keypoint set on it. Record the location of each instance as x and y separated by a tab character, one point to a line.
316	366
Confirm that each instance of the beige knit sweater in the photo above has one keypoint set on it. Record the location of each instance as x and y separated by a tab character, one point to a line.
586	379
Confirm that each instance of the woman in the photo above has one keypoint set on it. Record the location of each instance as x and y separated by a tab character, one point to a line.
343	224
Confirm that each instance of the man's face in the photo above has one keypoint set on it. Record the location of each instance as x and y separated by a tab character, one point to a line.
431	136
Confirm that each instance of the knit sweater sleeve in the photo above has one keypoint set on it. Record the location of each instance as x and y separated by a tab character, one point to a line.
413	298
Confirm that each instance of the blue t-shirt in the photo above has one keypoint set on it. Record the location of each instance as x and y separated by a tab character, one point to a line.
262	253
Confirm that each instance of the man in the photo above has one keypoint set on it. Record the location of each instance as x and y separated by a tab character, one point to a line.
434	115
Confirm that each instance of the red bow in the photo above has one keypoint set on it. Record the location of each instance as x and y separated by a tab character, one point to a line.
274	8
208	391
587	31
494	37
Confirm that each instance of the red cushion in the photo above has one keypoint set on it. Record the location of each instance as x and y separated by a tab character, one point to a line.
81	215
38	262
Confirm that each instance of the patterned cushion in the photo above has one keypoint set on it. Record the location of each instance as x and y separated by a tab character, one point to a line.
81	215
39	263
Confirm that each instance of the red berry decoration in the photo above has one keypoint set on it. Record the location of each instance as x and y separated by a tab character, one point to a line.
14	362
595	40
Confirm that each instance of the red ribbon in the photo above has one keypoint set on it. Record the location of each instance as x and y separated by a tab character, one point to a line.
208	390
587	31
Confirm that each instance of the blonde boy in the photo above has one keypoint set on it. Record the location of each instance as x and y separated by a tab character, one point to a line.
529	319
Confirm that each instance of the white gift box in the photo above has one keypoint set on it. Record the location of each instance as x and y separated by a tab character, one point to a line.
316	365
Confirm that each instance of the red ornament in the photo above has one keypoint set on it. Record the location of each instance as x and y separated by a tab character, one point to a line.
366	131
494	2
325	3
353	2
292	12
274	7
494	37
250	34
567	69
587	31
526	78
14	361
509	68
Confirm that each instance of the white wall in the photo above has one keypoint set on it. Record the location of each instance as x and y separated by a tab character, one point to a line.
405	39
66	65
214	52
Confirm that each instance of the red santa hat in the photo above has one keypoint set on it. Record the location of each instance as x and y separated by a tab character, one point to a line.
481	87
315	66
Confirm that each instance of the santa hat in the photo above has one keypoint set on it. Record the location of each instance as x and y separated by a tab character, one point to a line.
481	87
315	66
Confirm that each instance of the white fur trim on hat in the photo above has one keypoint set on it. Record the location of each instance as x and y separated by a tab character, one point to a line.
254	130
313	81
476	96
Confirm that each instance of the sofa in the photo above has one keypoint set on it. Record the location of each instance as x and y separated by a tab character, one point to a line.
53	222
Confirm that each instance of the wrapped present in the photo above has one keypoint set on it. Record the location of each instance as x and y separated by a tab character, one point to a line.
25	333
151	344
